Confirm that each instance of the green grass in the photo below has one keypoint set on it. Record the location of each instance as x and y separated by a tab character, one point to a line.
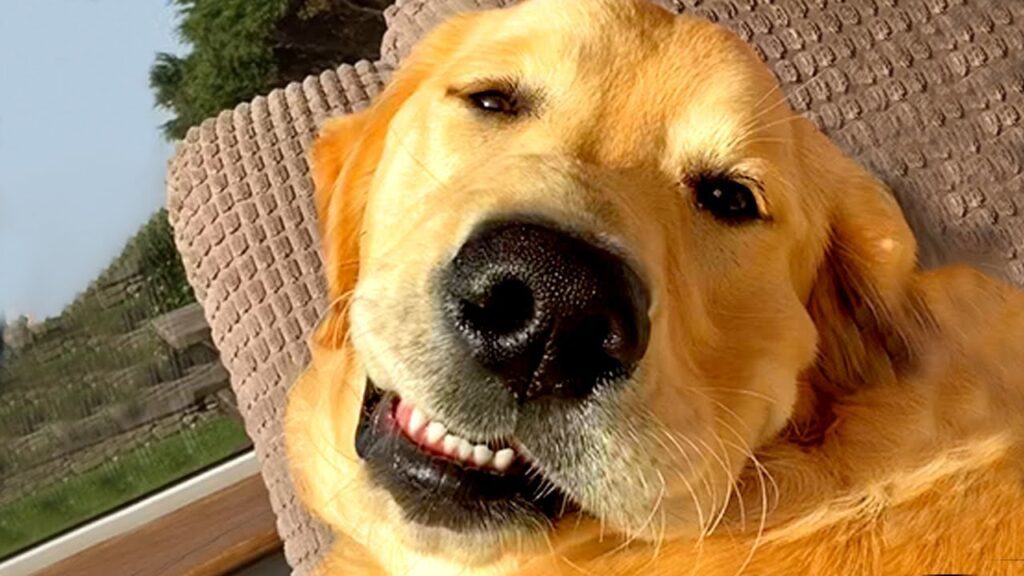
63	505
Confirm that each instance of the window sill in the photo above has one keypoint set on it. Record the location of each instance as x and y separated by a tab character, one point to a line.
210	524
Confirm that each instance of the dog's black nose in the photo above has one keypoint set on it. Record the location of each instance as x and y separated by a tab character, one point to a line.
547	312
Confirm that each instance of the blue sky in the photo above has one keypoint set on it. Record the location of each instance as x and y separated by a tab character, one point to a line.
82	160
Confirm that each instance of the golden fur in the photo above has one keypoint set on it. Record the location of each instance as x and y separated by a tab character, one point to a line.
810	402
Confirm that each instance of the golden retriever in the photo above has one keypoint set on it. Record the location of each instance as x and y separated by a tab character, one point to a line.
602	303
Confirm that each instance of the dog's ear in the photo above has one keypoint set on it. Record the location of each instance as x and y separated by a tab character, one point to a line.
343	161
862	299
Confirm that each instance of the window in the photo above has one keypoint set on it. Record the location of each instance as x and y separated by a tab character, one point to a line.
111	388
119	395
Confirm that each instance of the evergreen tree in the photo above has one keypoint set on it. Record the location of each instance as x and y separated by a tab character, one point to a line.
242	48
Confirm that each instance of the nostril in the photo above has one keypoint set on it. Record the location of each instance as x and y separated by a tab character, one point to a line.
595	351
581	348
600	338
587	339
506	308
621	340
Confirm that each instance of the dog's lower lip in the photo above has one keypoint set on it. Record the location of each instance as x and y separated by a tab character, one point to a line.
436	491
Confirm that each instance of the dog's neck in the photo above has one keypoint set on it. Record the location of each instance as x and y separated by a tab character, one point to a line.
914	385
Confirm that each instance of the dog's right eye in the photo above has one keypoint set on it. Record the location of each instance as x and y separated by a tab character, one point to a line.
727	200
495	101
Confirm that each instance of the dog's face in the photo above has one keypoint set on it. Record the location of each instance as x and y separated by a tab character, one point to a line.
576	253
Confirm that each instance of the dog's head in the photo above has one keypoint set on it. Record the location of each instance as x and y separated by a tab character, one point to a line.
583	260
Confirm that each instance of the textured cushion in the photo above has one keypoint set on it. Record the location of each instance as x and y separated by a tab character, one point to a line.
408	20
928	94
240	201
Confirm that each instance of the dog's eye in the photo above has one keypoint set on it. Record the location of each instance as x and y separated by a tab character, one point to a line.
727	200
495	101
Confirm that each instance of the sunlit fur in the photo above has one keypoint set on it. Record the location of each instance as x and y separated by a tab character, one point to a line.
809	402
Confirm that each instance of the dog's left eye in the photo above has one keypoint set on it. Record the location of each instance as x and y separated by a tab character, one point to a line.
727	200
495	101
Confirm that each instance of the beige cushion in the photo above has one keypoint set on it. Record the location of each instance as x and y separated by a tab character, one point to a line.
239	198
929	94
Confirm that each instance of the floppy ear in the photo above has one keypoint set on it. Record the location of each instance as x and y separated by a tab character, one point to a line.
339	202
344	159
862	301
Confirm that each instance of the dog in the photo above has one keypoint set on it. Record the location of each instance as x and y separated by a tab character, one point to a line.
602	303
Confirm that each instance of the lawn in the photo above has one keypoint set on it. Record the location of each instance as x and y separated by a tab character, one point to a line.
57	507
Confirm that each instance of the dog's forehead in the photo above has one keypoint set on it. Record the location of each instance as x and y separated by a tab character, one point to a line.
630	67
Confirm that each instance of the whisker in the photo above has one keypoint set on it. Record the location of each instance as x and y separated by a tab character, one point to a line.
739	391
762	472
783	97
686	482
732	486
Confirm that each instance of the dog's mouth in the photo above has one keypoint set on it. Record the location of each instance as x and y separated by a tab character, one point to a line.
441	479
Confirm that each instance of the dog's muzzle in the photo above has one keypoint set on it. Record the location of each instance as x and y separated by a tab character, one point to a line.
539	315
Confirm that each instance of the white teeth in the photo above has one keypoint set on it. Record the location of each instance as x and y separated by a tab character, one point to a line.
465	449
435	432
451	444
503	459
481	455
416	422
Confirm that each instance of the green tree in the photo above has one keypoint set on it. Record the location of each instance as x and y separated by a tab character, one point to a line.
165	286
3	349
166	78
242	48
231	58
